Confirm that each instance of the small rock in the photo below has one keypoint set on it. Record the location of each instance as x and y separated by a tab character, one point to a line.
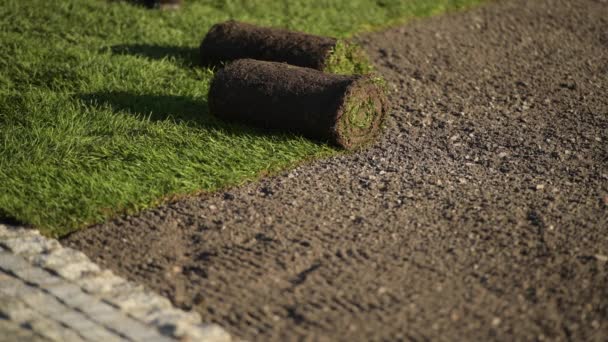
540	186
502	154
601	257
496	322
268	220
212	207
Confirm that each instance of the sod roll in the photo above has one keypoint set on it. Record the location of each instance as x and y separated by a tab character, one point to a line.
233	40
344	110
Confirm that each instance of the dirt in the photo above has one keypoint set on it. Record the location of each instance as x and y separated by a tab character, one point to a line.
300	100
482	212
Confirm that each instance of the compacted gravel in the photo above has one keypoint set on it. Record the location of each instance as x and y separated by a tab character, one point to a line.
481	213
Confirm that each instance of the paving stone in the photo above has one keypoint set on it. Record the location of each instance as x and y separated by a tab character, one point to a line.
9	232
99	311
37	276
11	331
15	310
10	284
132	329
42	302
100	283
68	263
70	294
59	256
48	292
117	321
163	317
189	332
87	328
47	305
51	329
31	245
73	271
139	303
209	333
10	262
123	290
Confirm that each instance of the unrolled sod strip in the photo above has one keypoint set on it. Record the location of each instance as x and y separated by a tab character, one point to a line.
233	40
344	110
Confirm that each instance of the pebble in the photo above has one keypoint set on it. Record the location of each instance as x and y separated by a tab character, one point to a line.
496	321
601	257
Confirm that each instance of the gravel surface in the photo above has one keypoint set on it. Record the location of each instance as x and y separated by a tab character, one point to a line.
482	212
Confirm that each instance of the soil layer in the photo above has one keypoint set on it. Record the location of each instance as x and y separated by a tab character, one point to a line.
293	99
233	40
482	213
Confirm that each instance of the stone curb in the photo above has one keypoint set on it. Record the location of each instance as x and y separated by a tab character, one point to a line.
50	292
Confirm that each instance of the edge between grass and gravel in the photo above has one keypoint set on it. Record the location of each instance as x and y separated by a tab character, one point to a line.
103	107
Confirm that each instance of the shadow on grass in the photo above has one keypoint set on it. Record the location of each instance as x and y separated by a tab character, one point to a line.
155	107
9	220
181	109
184	55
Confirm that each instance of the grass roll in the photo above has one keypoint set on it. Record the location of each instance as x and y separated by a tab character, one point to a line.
346	111
233	40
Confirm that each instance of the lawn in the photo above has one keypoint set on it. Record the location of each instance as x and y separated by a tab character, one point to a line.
103	107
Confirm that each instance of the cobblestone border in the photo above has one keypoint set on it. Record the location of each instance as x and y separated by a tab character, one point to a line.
50	292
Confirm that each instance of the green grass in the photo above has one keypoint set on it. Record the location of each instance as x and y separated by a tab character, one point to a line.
348	59
103	109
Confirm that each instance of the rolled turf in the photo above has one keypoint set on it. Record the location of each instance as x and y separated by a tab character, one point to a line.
232	40
344	110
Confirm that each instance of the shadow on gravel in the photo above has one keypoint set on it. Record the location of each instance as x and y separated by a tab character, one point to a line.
185	56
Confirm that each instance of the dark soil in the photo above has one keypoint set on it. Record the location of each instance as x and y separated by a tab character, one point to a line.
481	214
299	100
235	40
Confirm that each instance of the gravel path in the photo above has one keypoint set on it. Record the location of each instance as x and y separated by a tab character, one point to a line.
481	214
52	293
